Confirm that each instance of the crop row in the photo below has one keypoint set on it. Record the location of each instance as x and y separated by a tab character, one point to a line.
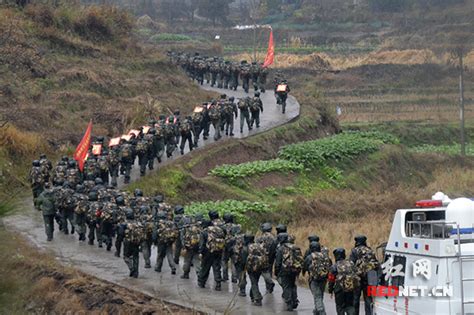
453	149
256	168
238	208
316	153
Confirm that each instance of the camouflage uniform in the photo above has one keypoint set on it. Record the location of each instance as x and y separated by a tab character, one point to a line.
211	253
186	129
164	236
80	211
257	262
190	237
240	253
317	277
46	204
65	204
256	106
36	179
244	106
108	221
262	78
230	109
245	75
59	175
254	74
142	152
103	167
114	164
127	159
270	244
131	233
344	298
46	168
231	231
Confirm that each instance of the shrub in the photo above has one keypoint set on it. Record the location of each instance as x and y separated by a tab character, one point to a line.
41	14
167	37
255	168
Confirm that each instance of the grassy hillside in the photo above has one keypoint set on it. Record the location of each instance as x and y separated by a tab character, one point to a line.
62	66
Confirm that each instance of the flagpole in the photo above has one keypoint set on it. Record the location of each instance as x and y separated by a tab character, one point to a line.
254	42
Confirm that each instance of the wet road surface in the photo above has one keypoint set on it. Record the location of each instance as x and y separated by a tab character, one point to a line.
102	264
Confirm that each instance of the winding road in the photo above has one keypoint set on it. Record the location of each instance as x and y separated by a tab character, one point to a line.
170	288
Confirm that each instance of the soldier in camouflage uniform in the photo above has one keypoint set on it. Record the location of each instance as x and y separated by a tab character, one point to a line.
103	167
65	204
36	179
91	216
244	107
46	167
121	211
206	121
127	159
226	73
362	255
215	117
164	236
256	106
114	163
142	148
46	204
254	74
230	109
317	265
81	202
160	138
59	174
179	219
262	78
190	239
108	221
186	129
234	76
231	231
311	239
146	218
91	168
270	244
153	147
344	296
286	269
257	262
211	246
214	69
170	131
197	118
73	176
245	75
131	232
240	253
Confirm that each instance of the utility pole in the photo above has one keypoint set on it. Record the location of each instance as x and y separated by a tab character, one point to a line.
254	42
461	103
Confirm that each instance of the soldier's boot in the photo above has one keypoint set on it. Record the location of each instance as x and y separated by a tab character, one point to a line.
185	276
91	242
49	238
257	303
82	237
147	265
173	271
117	254
72	229
242	292
218	286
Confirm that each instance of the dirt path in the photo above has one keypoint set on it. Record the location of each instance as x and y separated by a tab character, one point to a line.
171	288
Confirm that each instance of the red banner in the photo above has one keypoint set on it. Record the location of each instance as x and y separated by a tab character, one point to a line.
81	151
270	52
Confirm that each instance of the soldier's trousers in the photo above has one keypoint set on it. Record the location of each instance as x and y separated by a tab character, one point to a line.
93	232
288	284
197	134
186	137
160	149
245	84
170	146
142	161
127	168
114	173
241	278
245	117
213	78
255	119
255	82
49	225
80	223
226	259
106	231
255	294
344	302
262	81
226	81
131	257
210	260
362	290
217	129
165	250
151	154
104	175
146	251
67	215
118	245
207	126
37	190
191	256
317	289
220	80
267	276
234	82
229	125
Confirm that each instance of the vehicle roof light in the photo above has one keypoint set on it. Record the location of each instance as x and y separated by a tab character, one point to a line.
429	203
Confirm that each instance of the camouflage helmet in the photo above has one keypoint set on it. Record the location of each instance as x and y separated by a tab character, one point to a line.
42	156
143	209
282	238
206	223
281	228
314	247
64	158
67	184
120	201
161	215
360	240
47	185
266	227
339	253
98	181
36	163
257	94
129	215
158	199
100	139
179	209
231	98
198	217
80	188
138	193
236	229
313	238
152	131
213	214
71	163
92	196
228	217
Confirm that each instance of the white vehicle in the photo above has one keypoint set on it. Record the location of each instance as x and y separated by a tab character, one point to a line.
430	258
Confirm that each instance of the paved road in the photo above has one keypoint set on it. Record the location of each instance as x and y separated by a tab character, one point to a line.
171	288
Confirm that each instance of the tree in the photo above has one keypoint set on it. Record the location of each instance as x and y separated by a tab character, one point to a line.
214	10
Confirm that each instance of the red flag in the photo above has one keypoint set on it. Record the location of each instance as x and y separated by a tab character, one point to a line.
83	147
270	52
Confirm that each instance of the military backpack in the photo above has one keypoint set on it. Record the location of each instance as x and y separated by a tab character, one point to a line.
142	146
257	259
254	104
292	258
103	164
191	236
243	104
366	260
134	233
267	240
346	276
215	239
126	151
238	248
36	176
167	231
214	112
185	127
320	265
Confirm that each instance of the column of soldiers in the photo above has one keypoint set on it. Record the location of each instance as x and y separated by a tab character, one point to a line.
133	223
222	73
